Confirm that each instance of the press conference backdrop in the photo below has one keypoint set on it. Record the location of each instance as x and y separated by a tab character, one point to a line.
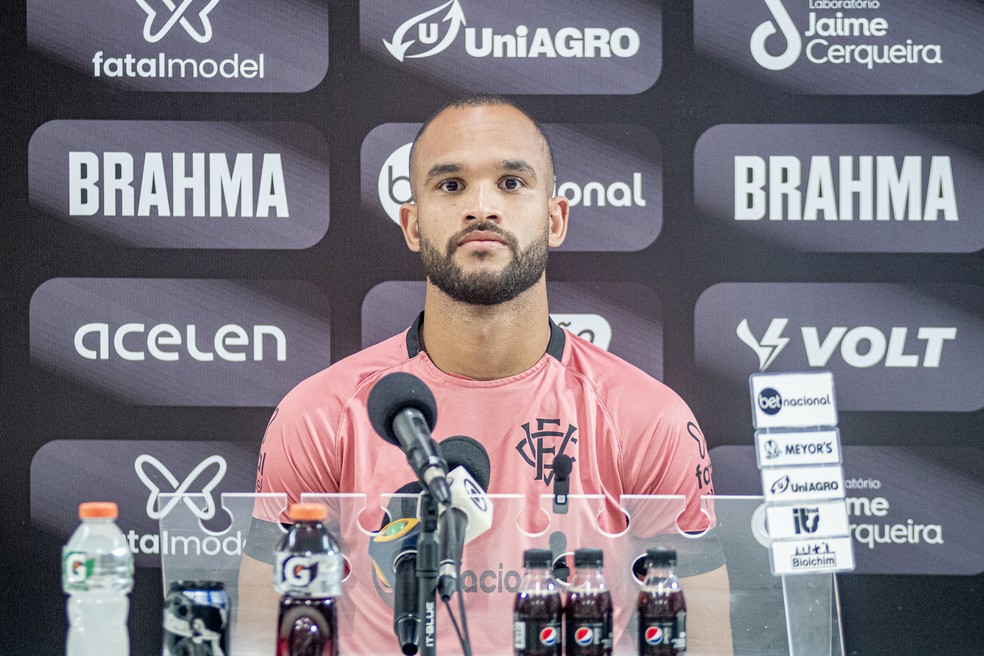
199	210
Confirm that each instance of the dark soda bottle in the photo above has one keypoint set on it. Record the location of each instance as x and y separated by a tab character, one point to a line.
589	607
537	610
308	574
661	607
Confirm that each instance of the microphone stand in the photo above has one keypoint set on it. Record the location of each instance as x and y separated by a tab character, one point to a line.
428	564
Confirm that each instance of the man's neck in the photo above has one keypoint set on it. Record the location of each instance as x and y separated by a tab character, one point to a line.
486	342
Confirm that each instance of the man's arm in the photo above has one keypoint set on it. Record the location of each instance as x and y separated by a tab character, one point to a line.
708	597
256	622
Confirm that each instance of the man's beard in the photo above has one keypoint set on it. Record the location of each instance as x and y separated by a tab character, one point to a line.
484	288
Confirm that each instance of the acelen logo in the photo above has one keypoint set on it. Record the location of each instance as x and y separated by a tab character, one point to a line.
181	342
552	43
889	347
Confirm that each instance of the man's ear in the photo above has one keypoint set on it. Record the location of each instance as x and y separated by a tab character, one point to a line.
559	207
408	223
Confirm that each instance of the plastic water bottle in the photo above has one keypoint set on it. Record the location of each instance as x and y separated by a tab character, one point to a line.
308	574
97	574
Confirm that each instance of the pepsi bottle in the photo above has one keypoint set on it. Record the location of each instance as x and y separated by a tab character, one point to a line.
537	610
308	573
661	607
589	607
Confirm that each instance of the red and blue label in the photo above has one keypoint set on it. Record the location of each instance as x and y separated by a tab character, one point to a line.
584	635
654	635
549	636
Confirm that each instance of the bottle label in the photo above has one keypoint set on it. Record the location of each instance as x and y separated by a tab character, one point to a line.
309	575
535	636
77	567
659	633
590	634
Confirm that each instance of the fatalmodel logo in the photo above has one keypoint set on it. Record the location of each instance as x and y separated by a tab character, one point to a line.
860	347
177	14
838	39
433	31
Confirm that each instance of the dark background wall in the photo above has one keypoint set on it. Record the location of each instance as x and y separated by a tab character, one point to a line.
70	425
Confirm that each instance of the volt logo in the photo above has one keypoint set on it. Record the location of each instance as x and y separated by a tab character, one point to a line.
794	43
180	488
860	347
772	342
427	32
201	33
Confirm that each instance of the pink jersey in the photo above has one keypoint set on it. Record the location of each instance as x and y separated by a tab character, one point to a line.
626	432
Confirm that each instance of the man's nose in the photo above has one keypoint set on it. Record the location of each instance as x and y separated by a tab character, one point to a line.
482	204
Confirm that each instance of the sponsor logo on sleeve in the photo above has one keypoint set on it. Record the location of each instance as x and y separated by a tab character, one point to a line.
611	174
889	347
844	188
517	47
184	185
181	342
847	46
187	45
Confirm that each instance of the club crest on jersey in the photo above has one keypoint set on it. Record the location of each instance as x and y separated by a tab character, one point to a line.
654	635
549	636
539	447
584	635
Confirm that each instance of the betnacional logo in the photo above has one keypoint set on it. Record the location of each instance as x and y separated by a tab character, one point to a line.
524	45
187	45
181	342
889	347
184	184
845	44
610	174
844	188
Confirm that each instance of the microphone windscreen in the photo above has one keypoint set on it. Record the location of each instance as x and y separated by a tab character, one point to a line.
562	466
395	392
467	452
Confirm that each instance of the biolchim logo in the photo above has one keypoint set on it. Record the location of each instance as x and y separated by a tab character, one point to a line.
433	31
838	39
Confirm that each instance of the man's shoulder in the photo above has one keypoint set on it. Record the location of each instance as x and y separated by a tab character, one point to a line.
336	383
618	383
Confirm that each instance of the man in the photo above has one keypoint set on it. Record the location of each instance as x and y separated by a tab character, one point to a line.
483	218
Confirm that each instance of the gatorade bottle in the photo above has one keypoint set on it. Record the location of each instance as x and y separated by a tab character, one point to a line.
308	575
662	609
537	610
97	574
589	607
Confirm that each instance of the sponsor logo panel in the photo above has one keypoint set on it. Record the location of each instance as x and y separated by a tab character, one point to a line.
780	448
623	318
573	47
802	483
807	520
611	174
169	184
845	188
135	474
847	46
193	45
181	342
888	346
801	557
793	400
911	510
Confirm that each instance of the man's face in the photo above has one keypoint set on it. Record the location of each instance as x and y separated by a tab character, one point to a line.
483	217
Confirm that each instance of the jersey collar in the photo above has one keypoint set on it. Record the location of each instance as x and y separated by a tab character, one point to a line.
555	347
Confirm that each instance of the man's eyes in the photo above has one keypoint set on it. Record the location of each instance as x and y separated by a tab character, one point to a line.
509	184
513	184
450	185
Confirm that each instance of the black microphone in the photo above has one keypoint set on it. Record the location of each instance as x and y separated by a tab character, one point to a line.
403	411
470	513
562	466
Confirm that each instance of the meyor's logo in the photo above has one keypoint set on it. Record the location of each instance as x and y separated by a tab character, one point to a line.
177	14
167	543
433	31
838	39
860	347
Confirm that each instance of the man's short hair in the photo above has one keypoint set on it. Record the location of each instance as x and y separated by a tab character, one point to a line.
479	100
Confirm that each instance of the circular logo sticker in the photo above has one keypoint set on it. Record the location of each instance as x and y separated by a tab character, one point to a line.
549	636
584	636
654	635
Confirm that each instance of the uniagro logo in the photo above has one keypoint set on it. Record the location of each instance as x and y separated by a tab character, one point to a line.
624	38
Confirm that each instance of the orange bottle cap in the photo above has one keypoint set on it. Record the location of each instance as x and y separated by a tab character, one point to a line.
300	512
98	509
